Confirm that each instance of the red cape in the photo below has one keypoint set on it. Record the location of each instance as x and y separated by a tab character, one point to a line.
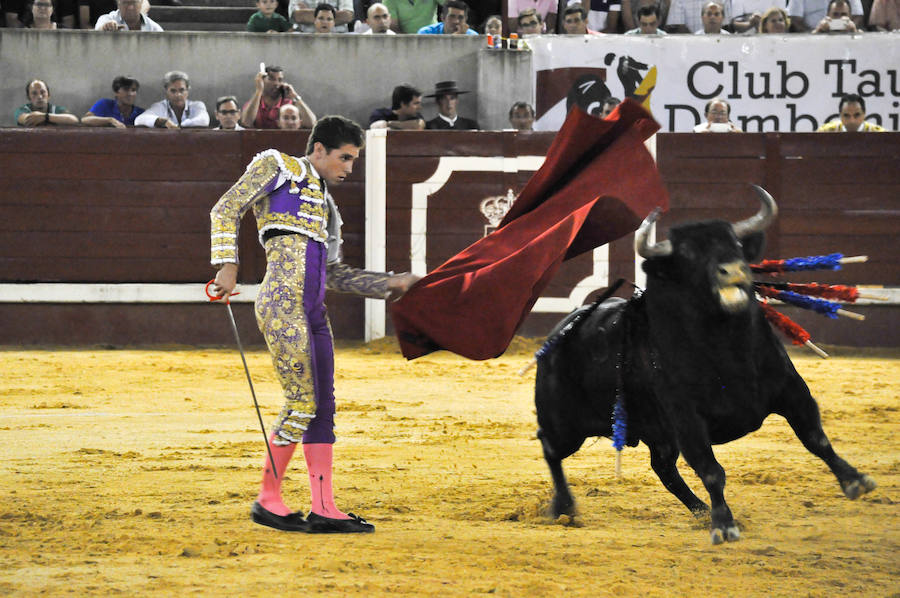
596	185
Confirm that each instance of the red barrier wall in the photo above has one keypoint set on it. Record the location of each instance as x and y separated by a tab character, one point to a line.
99	206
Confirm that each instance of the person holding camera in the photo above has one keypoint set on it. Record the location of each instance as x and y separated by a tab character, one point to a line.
718	114
837	20
272	92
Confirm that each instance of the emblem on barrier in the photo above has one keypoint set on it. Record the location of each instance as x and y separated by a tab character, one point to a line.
495	208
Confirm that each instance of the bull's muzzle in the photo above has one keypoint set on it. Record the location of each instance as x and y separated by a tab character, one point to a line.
733	281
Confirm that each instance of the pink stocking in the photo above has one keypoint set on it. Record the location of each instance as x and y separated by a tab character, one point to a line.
270	490
318	461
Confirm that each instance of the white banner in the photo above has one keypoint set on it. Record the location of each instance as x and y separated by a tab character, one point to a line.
773	83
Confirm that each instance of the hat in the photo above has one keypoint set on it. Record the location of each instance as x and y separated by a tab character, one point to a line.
445	87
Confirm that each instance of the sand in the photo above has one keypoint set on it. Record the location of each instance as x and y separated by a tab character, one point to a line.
132	472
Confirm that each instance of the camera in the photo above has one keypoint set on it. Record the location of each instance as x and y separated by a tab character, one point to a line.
837	24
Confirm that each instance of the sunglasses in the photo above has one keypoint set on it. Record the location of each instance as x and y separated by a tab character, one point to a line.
228	111
529	24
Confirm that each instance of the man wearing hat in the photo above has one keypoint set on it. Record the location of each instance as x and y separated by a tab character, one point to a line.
446	95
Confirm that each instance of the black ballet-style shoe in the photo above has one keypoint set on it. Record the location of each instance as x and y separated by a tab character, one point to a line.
318	524
293	522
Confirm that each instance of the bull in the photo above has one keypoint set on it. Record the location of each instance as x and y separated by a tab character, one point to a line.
694	360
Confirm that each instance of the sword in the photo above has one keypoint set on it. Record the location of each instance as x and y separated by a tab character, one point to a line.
237	338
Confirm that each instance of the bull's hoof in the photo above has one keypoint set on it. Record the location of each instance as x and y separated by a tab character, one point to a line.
562	506
718	535
853	489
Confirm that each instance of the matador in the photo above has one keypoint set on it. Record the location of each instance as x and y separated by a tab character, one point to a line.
300	228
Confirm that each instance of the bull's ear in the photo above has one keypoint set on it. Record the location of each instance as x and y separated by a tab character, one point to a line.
753	246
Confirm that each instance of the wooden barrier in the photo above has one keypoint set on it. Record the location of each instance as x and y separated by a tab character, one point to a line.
104	206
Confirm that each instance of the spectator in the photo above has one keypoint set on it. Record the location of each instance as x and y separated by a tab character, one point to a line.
446	95
747	14
266	20
325	15
289	118
453	20
575	21
805	14
837	20
602	15
39	112
41	13
685	16
119	112
712	16
91	10
408	16
852	113
775	20
127	17
175	111
609	104
521	116
271	93
228	114
630	10
648	22
379	20
404	113
885	15
493	25
305	15
13	13
545	8
718	113
530	22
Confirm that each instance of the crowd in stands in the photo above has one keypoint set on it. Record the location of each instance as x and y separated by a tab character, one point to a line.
276	104
470	17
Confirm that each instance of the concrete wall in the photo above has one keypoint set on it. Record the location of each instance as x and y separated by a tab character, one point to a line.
335	74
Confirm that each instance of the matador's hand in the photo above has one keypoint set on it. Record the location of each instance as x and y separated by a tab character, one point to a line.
226	280
398	284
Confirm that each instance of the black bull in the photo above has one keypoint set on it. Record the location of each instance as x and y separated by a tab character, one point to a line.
695	361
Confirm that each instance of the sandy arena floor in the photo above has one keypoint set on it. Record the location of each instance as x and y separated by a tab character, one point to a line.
131	472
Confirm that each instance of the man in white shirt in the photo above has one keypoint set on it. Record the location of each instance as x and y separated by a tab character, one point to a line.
228	114
806	14
685	15
378	20
175	112
712	16
718	113
128	17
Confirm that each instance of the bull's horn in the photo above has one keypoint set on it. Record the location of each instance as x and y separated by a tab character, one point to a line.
660	249
761	220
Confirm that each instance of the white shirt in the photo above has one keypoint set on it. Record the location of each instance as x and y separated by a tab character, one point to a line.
237	127
370	32
813	11
147	24
194	115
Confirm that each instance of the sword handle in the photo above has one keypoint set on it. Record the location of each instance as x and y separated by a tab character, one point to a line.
217	297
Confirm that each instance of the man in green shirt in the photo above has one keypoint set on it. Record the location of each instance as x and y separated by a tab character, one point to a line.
39	111
408	16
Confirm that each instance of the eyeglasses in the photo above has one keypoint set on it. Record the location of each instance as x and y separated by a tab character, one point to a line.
43	5
228	111
529	24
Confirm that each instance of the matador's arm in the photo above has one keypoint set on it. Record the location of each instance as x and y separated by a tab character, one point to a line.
225	217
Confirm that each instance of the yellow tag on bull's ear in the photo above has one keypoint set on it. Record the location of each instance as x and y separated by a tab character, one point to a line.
294	188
